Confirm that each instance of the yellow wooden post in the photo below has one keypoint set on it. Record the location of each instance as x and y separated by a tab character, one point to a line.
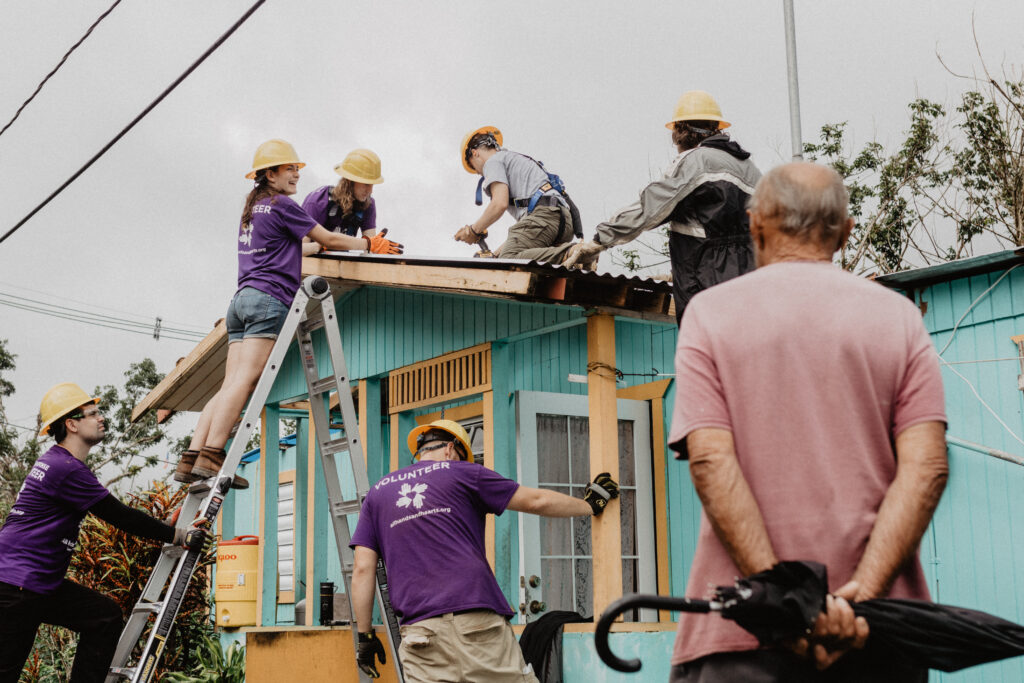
606	530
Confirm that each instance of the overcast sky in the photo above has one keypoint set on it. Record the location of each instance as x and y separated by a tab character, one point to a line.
585	87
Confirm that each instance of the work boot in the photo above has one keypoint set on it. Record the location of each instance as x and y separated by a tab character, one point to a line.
208	465
183	472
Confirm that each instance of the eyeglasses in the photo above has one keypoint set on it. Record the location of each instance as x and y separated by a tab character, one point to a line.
95	412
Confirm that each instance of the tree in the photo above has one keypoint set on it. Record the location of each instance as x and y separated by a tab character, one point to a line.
954	186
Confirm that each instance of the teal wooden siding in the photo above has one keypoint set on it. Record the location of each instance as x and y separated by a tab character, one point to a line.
972	552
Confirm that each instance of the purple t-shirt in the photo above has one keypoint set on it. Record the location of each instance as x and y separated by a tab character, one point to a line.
270	247
41	530
427	522
317	201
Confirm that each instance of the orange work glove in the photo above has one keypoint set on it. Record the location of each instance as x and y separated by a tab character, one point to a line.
380	245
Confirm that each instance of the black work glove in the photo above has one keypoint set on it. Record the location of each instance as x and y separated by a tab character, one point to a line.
370	646
600	491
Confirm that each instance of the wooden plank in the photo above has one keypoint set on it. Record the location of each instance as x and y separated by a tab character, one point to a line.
606	530
214	344
655	392
441	278
488	414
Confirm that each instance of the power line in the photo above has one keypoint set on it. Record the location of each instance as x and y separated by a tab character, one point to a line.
59	65
146	324
191	327
98	322
138	118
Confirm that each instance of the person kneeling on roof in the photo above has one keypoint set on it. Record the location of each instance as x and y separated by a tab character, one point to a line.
40	534
516	183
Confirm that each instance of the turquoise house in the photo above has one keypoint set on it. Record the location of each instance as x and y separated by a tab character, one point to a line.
556	374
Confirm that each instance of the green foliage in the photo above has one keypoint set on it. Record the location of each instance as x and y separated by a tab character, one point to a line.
213	664
955	183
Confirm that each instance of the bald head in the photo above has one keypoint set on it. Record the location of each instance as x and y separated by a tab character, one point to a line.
806	202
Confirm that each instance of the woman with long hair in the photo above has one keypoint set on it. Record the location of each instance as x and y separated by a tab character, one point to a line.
348	207
270	236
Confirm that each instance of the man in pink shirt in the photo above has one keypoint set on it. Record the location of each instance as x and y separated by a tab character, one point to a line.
809	403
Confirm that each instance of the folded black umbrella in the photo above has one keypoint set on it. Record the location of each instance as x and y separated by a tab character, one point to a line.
782	603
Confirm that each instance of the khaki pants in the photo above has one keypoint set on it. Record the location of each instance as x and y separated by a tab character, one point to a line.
469	647
536	236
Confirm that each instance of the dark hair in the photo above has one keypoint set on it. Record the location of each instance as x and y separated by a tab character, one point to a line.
58	430
440	435
481	140
261	190
346	199
688	134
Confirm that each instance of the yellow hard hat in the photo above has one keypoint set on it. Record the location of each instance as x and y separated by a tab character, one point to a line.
360	166
273	153
469	136
453	428
697	105
59	401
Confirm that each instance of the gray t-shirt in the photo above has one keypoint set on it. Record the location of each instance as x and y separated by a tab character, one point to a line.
522	175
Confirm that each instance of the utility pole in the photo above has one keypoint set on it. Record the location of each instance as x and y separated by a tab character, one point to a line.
794	85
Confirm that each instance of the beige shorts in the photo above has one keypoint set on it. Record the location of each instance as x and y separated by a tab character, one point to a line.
469	647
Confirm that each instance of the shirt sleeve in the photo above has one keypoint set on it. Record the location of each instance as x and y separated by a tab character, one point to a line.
315	204
81	490
920	397
656	203
494	172
370	217
294	220
700	398
366	530
494	490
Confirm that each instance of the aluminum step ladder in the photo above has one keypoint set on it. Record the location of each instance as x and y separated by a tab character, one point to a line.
159	602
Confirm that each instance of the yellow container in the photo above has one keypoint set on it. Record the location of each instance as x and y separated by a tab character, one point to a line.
235	593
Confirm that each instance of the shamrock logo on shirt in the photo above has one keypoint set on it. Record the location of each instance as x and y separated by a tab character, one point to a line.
416	500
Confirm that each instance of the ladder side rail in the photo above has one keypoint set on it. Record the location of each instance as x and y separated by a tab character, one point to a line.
339	368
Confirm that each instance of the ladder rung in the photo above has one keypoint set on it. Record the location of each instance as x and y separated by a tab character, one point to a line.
346	507
323	386
147	607
333	446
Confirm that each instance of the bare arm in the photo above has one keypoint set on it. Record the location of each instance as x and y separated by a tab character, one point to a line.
364	583
335	241
728	501
548	503
921	472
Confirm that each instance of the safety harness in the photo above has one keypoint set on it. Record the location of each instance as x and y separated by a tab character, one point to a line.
541	198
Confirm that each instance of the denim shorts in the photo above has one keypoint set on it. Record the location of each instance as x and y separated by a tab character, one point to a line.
253	313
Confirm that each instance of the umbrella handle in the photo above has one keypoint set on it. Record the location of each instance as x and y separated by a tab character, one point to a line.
631	601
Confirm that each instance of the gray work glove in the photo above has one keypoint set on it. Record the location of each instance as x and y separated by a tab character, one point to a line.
600	491
583	254
370	647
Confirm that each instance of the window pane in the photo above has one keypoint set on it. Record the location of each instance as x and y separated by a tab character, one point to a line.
627	507
556	533
627	476
579	446
584	587
557	585
581	535
552	449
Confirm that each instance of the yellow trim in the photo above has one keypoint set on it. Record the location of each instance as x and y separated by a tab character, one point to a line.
606	530
456	414
261	498
311	470
655	392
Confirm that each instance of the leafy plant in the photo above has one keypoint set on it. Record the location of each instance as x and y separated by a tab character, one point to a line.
213	664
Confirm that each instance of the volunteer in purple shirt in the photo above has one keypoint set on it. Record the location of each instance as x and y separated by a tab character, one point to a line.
269	267
427	522
347	207
40	534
